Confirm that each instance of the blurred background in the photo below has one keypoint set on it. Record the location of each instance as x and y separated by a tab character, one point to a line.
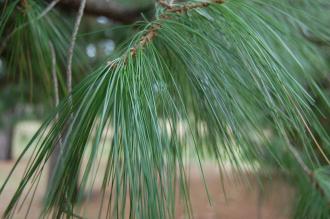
26	98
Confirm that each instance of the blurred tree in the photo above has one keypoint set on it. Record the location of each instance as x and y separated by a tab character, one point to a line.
242	76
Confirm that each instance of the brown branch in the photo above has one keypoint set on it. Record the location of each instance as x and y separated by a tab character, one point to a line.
151	33
181	9
189	6
164	4
115	12
145	39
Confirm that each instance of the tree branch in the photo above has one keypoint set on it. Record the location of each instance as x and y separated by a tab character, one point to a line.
72	45
108	9
152	30
54	75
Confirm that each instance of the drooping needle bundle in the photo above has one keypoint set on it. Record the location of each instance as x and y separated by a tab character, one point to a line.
226	71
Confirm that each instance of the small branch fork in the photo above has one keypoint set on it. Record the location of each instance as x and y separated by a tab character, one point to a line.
152	31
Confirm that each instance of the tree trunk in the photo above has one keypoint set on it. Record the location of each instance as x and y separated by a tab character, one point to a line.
6	138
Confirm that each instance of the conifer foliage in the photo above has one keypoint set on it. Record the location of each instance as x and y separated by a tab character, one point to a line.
228	70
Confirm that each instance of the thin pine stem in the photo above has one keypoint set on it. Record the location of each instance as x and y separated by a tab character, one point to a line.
54	75
72	45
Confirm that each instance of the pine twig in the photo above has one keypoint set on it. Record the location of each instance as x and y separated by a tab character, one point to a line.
69	82
58	144
189	6
55	82
151	33
72	45
54	75
164	4
181	9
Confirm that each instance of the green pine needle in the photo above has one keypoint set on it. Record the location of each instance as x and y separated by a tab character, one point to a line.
224	72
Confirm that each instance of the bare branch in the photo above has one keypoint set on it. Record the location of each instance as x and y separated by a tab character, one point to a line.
72	45
55	81
58	144
164	4
109	9
54	75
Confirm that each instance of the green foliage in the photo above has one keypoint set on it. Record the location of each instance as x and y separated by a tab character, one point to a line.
26	47
311	203
226	71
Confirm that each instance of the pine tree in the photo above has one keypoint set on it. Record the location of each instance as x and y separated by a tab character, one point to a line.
226	69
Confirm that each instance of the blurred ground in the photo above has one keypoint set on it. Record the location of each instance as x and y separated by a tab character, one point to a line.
241	200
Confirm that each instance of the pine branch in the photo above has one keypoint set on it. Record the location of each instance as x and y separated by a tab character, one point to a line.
107	8
58	143
164	4
151	32
54	75
189	6
181	9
